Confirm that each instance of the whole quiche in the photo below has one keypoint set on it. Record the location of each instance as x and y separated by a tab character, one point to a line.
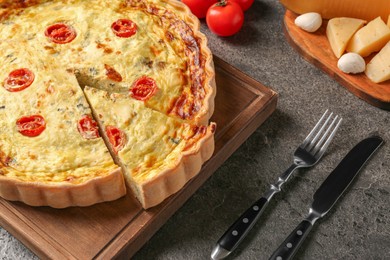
99	98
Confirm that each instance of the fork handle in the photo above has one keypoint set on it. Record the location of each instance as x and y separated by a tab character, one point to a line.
238	230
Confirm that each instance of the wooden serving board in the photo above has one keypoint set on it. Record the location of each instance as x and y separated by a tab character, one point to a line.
315	48
118	229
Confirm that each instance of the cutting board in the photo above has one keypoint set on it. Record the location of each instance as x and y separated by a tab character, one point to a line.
315	48
118	229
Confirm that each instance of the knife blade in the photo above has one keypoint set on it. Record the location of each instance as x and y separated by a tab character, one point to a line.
328	194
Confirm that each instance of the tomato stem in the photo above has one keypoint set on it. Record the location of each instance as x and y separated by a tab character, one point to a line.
221	3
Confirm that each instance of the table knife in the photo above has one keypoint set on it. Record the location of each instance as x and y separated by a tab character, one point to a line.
328	193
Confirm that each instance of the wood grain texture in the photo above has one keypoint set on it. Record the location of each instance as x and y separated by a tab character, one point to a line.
315	48
118	229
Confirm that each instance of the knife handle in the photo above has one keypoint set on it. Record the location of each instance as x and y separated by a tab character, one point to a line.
292	243
238	230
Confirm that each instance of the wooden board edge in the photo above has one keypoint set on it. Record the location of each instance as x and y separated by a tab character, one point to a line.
255	86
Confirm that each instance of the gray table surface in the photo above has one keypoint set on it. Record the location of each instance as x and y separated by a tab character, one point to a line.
359	225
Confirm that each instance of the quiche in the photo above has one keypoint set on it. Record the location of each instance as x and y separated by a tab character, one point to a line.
99	98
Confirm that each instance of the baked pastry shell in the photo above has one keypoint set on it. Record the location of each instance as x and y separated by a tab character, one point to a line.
208	107
64	194
155	190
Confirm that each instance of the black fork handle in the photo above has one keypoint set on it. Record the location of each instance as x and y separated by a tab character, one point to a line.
239	229
234	235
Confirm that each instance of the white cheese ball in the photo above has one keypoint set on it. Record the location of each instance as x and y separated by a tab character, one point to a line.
309	22
351	63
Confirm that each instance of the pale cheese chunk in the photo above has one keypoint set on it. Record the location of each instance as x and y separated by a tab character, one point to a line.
378	69
370	38
340	30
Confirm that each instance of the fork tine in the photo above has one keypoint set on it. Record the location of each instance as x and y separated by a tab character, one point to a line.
329	140
320	142
309	136
318	135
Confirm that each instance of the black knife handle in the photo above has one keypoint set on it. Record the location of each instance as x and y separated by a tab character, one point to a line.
238	230
292	243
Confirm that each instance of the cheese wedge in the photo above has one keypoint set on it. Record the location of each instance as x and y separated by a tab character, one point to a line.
378	69
340	30
370	38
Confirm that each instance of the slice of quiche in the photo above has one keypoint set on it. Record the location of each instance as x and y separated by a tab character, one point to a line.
159	154
51	152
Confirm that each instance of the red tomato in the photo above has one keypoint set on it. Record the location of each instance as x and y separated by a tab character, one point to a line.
60	33
31	125
245	4
199	7
143	88
124	28
18	80
88	127
116	137
225	18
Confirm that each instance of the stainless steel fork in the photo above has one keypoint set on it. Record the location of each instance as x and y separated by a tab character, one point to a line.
306	155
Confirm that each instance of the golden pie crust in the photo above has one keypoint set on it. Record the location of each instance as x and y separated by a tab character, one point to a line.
60	168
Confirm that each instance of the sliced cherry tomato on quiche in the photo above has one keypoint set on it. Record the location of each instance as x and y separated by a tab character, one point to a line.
19	79
88	128
143	88
124	28
116	137
60	33
31	126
